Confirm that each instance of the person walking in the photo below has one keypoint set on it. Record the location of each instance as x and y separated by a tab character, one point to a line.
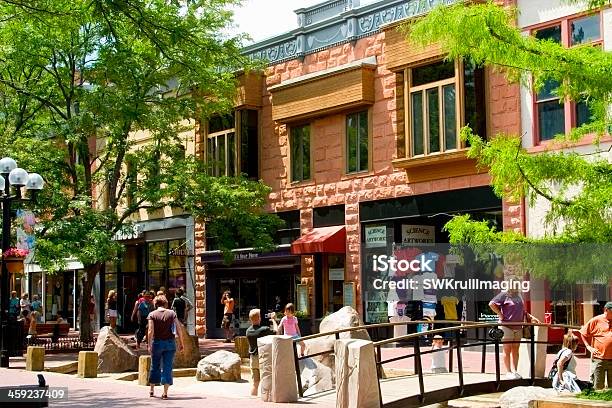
228	314
181	306
566	379
144	308
162	337
111	309
255	331
510	308
597	336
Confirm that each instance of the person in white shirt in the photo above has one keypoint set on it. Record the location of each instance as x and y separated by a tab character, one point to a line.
438	357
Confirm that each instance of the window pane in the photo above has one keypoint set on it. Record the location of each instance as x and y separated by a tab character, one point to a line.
306	152
157	255
351	142
218	123
551	119
474	99
450	118
417	123
433	119
363	141
550	33
583	113
585	30
210	156
231	154
249	150
296	155
433	72
221	155
549	90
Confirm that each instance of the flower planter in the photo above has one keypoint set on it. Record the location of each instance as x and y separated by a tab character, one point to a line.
14	264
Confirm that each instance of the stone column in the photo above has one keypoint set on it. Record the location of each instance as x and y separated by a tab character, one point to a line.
277	367
144	367
356	378
88	364
524	365
35	359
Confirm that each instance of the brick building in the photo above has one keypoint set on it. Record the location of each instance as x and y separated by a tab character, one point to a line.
357	134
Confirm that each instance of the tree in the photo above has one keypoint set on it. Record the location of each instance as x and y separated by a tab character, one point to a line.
79	79
578	189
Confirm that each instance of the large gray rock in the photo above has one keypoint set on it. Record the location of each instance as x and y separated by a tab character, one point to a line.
312	372
190	356
219	366
316	376
342	319
114	354
519	397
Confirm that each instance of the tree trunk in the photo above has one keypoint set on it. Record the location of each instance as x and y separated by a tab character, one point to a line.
86	332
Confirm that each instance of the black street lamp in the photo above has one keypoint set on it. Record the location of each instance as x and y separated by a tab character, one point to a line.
11	175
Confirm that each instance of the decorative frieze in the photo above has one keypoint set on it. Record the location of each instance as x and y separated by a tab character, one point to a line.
334	22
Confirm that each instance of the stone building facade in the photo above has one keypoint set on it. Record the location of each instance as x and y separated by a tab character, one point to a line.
348	64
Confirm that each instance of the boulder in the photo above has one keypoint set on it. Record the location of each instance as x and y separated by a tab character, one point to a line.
519	397
342	319
221	365
114	354
190	355
316	376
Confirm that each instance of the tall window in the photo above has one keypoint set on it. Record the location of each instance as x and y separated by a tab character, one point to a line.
300	153
357	142
434	106
555	116
221	146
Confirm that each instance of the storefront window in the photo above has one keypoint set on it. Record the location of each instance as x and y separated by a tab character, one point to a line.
335	300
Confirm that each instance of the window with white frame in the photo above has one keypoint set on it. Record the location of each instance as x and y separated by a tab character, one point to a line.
441	98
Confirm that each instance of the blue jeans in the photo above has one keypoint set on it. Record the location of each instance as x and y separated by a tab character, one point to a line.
162	360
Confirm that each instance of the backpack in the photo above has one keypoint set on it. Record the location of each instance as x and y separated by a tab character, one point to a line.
554	369
144	308
179	305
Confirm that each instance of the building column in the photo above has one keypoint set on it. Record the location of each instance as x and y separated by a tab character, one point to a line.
200	280
353	247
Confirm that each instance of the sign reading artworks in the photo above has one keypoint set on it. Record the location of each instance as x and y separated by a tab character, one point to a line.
418	234
376	236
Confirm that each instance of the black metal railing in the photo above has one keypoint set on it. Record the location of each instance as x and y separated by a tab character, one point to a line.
459	340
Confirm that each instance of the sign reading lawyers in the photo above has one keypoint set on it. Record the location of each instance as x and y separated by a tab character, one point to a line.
418	234
376	236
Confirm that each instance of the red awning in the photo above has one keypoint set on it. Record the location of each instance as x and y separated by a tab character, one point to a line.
325	239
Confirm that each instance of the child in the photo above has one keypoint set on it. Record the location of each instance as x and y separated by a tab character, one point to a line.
438	358
290	327
255	331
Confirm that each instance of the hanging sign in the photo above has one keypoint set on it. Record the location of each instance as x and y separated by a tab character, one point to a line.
375	236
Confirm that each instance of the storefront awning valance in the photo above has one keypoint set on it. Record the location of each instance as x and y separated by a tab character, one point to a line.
325	239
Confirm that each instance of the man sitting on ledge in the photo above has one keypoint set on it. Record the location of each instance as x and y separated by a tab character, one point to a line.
254	332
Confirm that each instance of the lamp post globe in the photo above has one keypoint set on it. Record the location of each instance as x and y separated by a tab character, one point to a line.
35	182
18	177
7	165
2	185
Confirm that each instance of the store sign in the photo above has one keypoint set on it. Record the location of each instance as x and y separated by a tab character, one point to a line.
134	231
418	234
376	236
336	274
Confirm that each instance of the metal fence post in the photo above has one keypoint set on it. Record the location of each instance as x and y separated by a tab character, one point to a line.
298	375
418	367
533	356
459	361
497	369
484	349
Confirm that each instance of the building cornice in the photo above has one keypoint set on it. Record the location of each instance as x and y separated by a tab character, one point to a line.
318	30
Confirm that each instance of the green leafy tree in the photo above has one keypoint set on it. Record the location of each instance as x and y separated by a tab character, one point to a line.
578	188
81	82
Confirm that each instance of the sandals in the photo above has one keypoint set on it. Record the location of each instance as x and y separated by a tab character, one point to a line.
164	396
151	394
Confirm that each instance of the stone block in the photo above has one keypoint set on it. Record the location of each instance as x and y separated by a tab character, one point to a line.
221	365
35	358
241	346
277	368
356	374
88	364
115	355
144	368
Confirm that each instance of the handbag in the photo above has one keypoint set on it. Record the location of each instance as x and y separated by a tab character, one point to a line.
496	333
526	329
554	369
